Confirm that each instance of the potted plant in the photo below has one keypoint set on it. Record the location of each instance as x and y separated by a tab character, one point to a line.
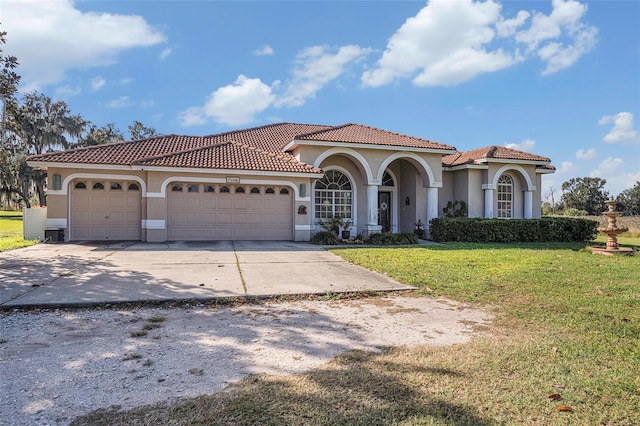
346	229
419	228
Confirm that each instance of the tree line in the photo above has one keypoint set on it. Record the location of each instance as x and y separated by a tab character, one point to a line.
587	196
35	124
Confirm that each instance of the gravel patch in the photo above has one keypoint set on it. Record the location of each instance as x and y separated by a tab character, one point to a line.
57	365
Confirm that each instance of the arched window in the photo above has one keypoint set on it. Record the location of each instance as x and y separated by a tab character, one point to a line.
193	188
387	179
333	196
224	189
80	185
255	190
505	196
284	191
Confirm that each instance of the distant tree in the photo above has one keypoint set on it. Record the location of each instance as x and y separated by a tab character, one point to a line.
137	130
10	153
586	194
9	78
628	201
109	133
40	125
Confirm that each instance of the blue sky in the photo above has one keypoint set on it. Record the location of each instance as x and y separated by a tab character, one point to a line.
556	78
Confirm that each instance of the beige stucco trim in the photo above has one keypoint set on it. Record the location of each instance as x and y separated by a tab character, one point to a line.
545	171
525	175
401	155
153	224
163	187
351	152
72	176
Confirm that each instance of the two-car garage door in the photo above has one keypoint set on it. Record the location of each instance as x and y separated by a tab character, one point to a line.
197	211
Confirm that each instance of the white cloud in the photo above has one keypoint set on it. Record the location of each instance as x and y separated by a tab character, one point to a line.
125	80
121	102
526	145
588	154
233	105
564	20
147	104
508	27
67	91
52	37
165	53
97	83
444	43
265	50
192	116
449	42
623	130
618	178
315	67
566	167
609	166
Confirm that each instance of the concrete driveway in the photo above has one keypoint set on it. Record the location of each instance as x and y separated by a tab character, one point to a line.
94	273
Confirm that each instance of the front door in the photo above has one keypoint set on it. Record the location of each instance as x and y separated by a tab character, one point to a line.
384	211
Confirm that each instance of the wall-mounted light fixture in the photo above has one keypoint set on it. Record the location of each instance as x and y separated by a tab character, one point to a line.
303	190
407	201
57	182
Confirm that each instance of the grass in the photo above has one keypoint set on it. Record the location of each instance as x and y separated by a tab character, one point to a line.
11	231
567	334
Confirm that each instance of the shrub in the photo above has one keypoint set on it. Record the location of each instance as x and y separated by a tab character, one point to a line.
389	239
512	230
325	238
574	212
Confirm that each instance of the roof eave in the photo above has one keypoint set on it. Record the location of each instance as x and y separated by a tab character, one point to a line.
297	142
513	161
465	166
310	173
65	165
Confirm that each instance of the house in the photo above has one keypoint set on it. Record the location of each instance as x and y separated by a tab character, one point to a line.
275	182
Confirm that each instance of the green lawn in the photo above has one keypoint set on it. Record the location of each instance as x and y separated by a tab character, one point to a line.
11	231
567	326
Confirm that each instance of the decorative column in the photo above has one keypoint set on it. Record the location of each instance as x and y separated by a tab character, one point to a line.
528	204
488	200
432	207
372	210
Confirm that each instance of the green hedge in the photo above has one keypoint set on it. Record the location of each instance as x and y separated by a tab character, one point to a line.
512	230
389	239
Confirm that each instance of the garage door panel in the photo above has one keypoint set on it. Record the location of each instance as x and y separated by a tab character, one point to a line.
225	203
104	214
229	216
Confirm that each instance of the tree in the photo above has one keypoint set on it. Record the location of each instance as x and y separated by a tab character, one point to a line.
628	201
586	194
12	153
140	131
109	133
40	125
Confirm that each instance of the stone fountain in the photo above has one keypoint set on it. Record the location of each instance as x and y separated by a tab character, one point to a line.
612	230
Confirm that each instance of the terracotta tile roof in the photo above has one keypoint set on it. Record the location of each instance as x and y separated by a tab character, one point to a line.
258	148
232	156
359	134
498	152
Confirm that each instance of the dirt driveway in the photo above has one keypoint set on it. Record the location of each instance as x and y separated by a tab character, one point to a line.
56	365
